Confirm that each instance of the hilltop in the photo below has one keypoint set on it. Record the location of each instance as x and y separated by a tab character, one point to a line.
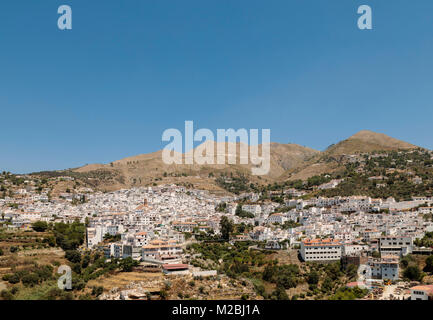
330	160
368	141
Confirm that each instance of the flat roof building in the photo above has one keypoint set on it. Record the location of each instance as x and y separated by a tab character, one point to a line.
321	250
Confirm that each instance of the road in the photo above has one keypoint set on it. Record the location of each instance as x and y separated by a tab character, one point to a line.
390	291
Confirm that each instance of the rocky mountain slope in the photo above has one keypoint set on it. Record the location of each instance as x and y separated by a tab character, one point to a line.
288	161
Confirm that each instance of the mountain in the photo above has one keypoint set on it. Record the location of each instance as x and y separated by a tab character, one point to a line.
364	141
368	141
146	169
288	161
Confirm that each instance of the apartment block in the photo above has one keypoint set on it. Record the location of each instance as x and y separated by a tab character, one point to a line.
321	250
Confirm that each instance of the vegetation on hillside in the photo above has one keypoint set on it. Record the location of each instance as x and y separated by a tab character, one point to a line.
242	262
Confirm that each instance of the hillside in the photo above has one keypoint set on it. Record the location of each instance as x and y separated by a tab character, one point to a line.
288	162
368	141
146	169
331	159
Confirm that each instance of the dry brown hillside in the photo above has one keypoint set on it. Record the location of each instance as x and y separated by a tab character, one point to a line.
362	142
288	161
145	169
368	141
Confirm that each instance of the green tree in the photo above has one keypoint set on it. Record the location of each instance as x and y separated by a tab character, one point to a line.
30	280
76	267
429	264
86	261
127	264
73	255
375	254
226	228
78	283
40	226
327	284
69	236
412	273
313	278
243	214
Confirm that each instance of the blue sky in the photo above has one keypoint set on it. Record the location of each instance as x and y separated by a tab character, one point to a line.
128	70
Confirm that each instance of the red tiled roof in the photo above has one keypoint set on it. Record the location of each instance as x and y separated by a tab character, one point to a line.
178	266
426	288
321	242
354	284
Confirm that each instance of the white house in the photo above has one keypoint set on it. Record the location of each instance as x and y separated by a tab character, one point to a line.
422	292
384	268
398	245
277	218
321	250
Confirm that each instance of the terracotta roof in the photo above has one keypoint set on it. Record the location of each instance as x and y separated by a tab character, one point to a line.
177	266
354	284
427	288
321	242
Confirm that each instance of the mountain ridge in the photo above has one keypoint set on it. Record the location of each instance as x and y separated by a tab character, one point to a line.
287	162
364	141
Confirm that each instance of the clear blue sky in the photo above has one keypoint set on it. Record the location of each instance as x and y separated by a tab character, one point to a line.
131	69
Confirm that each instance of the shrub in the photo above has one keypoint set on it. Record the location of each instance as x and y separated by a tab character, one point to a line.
412	273
51	241
313	278
13	249
279	294
97	291
54	293
78	283
73	255
429	264
6	295
163	294
327	285
44	273
40	226
86	261
30	280
260	289
12	278
345	293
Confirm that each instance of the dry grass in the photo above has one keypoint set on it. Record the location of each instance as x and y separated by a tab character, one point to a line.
27	256
122	279
287	257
